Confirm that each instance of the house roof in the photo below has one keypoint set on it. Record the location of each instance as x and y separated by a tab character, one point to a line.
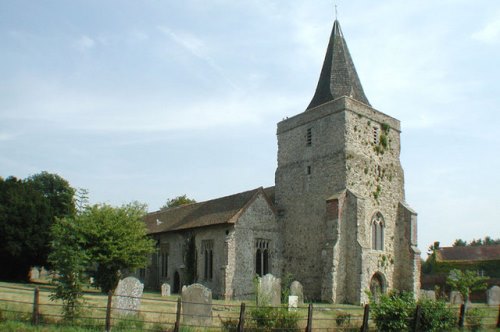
338	76
468	253
224	210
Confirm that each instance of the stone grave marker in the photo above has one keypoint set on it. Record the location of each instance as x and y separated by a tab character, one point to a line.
297	290
34	273
427	294
127	297
293	302
456	298
269	291
197	305
493	295
165	289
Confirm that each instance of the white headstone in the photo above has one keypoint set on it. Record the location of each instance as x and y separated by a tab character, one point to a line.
197	305
127	297
297	290
293	302
269	291
165	289
493	295
34	273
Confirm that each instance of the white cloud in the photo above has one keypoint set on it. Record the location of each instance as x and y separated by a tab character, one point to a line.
490	33
84	43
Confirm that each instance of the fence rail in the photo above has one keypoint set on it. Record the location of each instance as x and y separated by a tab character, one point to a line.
166	314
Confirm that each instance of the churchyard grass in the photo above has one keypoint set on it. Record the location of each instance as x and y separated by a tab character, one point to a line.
157	312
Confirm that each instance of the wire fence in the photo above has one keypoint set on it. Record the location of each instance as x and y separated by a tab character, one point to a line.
170	314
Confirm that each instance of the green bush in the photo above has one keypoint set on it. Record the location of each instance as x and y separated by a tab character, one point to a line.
474	318
269	318
436	316
394	311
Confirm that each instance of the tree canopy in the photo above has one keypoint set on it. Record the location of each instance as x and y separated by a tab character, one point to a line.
28	208
486	241
177	201
105	241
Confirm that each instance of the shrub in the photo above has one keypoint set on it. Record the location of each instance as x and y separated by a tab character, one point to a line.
343	319
269	318
394	311
230	324
436	316
474	318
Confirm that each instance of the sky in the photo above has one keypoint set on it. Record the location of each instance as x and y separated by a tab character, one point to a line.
148	100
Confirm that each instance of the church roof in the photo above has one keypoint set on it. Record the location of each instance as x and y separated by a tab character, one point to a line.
224	210
338	76
468	253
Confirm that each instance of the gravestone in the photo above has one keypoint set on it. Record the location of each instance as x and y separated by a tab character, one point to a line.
197	305
297	290
127	297
427	294
293	302
269	291
34	273
456	298
165	289
493	295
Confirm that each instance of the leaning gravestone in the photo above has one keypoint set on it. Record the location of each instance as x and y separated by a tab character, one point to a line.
197	305
165	289
427	294
127	297
493	295
269	291
297	290
456	298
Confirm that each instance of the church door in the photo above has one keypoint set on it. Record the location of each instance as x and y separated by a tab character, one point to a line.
177	283
377	285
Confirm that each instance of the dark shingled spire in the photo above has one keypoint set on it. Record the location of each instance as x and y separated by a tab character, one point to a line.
338	76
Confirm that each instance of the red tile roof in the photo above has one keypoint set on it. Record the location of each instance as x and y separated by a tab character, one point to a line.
469	253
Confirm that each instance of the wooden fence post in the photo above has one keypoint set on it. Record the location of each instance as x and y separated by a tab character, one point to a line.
309	318
366	316
461	315
108	311
241	322
178	315
498	318
36	307
418	314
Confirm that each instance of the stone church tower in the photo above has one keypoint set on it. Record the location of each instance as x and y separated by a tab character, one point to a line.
340	191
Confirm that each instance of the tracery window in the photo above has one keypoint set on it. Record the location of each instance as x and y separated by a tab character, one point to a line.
377	225
164	251
261	257
207	247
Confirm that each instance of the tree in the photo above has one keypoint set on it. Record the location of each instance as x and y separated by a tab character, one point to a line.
466	282
113	240
177	201
459	243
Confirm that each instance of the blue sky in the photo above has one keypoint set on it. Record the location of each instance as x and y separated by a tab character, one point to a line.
148	100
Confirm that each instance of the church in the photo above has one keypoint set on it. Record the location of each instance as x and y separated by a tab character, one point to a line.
336	219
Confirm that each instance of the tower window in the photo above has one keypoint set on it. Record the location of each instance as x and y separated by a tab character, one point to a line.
308	170
309	137
207	247
261	257
377	225
375	135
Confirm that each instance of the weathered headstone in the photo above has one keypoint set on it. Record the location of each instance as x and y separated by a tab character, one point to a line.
34	273
165	289
197	305
127	297
427	294
456	298
297	290
293	302
269	291
493	295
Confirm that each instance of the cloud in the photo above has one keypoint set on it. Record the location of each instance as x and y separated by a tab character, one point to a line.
84	43
490	33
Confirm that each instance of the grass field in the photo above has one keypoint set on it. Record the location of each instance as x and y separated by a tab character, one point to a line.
157	313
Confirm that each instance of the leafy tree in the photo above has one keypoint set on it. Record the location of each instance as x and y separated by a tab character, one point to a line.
487	241
459	243
466	282
24	222
113	240
177	201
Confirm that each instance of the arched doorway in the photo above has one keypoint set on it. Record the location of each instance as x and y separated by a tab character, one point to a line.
377	285
177	283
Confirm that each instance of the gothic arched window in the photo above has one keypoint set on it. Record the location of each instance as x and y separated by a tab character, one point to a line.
261	257
377	226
